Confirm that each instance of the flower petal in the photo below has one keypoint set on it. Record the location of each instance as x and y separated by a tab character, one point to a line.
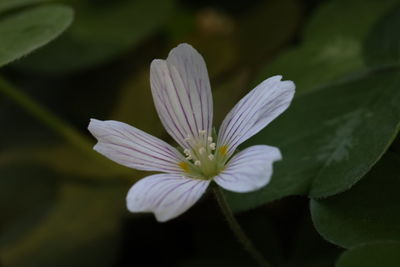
134	148
166	195
255	111
182	93
249	170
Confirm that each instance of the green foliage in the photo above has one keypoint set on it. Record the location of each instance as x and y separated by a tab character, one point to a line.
372	254
7	5
25	31
382	46
63	206
366	212
342	129
67	233
100	33
337	139
332	45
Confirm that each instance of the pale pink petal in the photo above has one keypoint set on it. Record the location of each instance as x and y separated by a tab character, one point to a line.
134	148
249	170
255	111
166	195
182	93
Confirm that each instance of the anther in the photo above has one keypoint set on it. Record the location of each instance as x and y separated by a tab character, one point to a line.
209	139
212	146
202	150
197	163
189	157
186	151
211	156
202	131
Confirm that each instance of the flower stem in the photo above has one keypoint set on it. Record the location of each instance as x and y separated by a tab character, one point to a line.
237	229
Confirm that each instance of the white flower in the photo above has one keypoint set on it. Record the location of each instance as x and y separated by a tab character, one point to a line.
182	96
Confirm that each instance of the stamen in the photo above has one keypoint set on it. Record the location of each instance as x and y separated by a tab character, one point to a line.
212	146
197	163
211	156
189	157
202	150
187	152
210	139
202	132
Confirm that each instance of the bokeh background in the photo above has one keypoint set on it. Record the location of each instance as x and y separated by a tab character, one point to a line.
63	205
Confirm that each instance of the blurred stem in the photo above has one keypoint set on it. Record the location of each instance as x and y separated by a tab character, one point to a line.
59	126
237	229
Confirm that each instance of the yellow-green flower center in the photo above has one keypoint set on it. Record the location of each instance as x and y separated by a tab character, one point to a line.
203	159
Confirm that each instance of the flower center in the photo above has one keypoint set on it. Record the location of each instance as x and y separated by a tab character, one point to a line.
203	160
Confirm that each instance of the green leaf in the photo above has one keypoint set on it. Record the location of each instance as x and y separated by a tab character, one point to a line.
102	31
382	46
28	30
365	213
323	25
81	229
385	254
332	44
6	5
329	138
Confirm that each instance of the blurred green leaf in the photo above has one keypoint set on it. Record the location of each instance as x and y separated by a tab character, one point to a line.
383	45
135	106
365	213
266	27
30	29
385	254
329	138
27	195
67	159
82	228
6	5
227	94
102	30
327	24
332	45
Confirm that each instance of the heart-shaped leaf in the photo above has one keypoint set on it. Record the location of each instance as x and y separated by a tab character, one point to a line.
330	138
382	46
365	213
332	45
385	254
